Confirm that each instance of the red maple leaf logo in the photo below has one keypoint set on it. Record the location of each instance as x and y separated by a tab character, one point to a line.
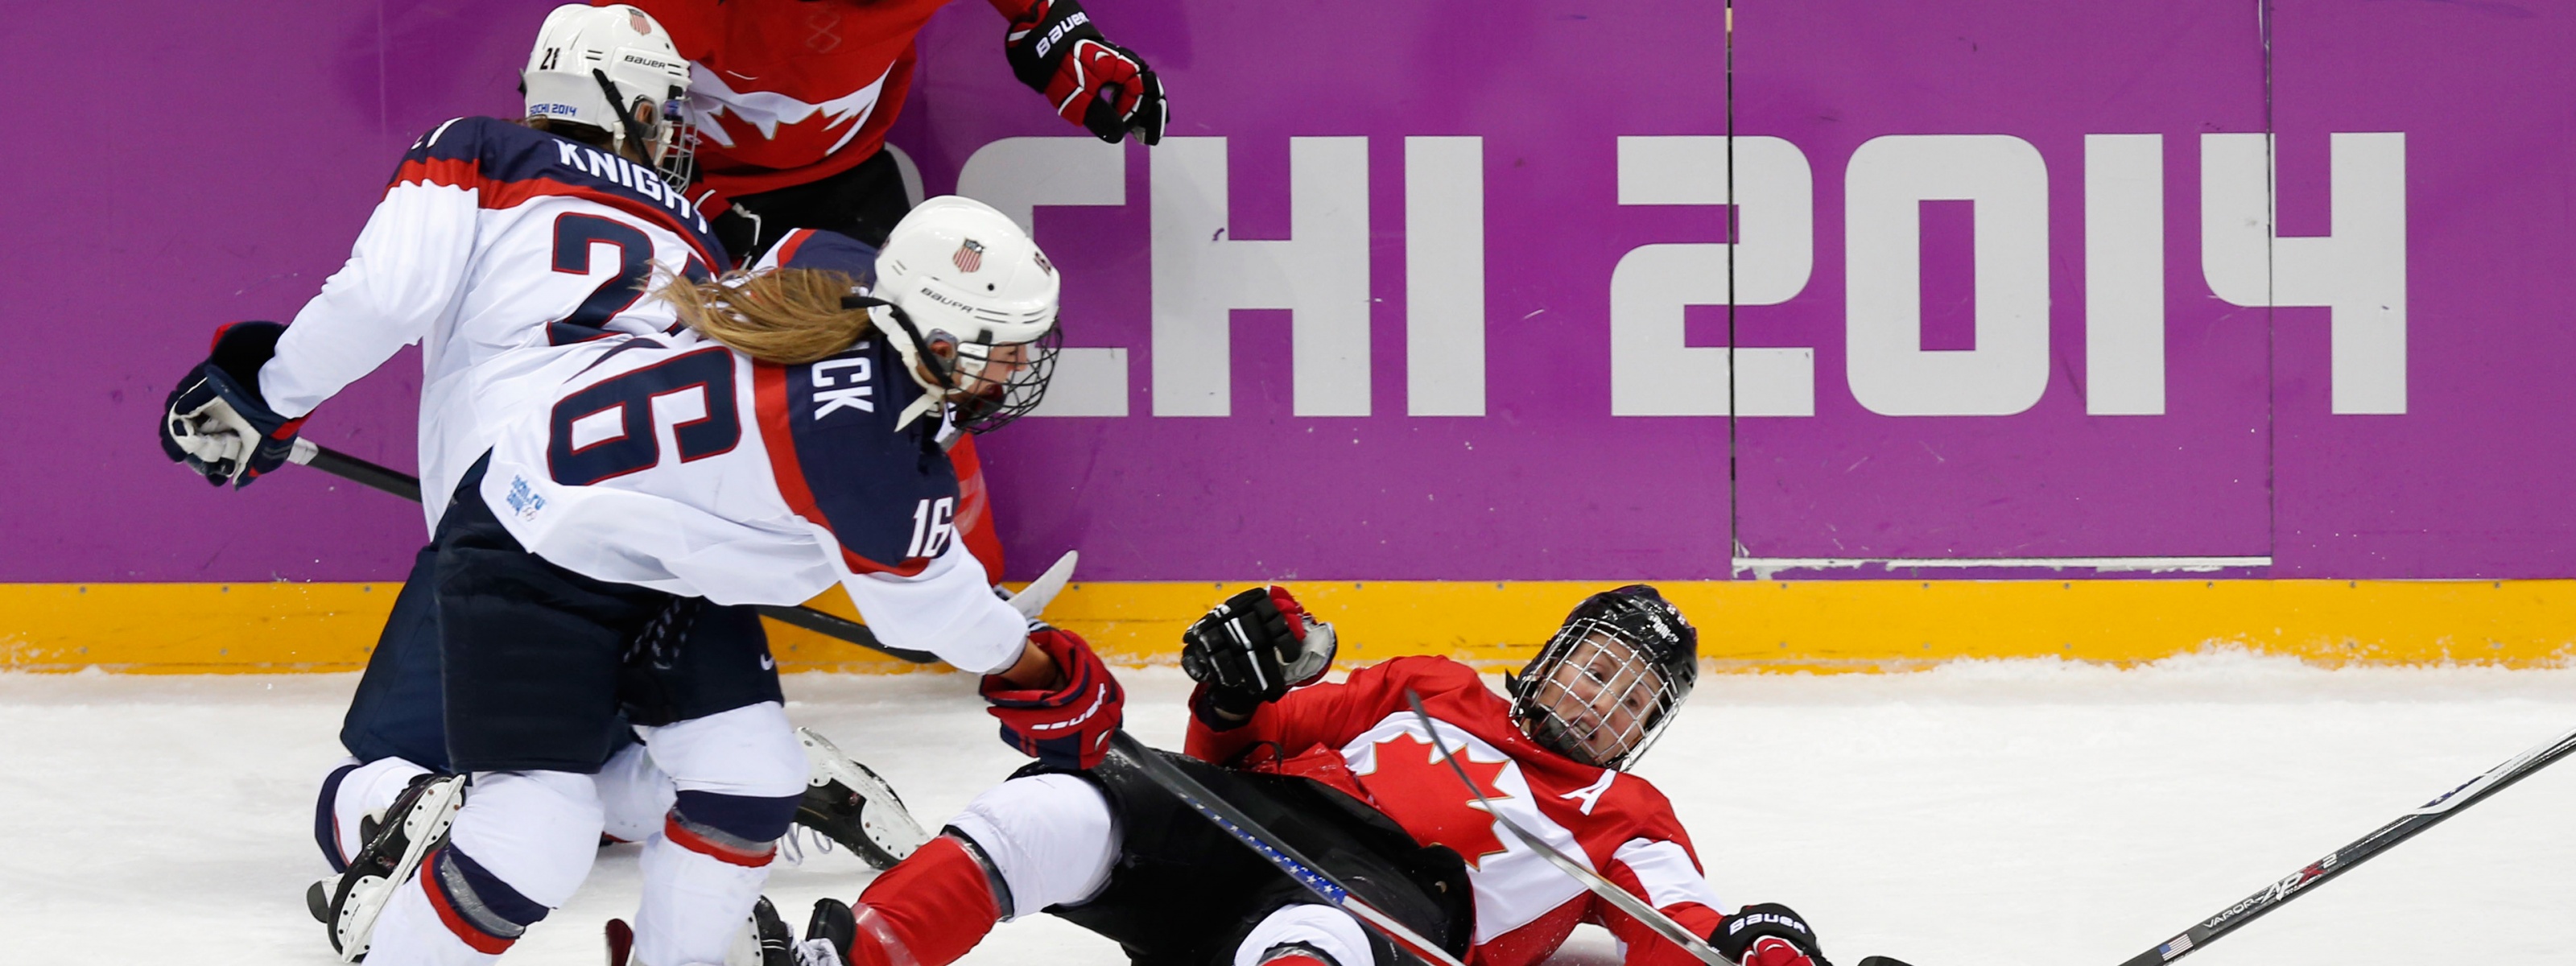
1418	790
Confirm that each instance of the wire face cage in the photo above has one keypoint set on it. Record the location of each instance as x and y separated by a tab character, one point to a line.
1593	696
1000	383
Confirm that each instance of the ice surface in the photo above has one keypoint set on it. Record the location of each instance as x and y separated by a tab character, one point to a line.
1980	813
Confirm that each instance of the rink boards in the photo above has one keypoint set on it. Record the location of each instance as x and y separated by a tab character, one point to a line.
1746	626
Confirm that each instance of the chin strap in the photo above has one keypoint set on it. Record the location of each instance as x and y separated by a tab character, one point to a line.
935	397
625	116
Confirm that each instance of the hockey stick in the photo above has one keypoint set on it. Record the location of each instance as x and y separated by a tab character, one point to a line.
2342	860
1636	908
1271	849
355	470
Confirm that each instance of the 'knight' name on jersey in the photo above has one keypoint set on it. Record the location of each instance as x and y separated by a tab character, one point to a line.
617	170
493	244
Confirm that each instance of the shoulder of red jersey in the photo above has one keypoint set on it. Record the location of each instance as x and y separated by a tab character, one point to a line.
508	164
1429	676
888	495
826	250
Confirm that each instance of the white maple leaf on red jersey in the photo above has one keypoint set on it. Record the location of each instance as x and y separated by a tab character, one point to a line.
1362	736
710	99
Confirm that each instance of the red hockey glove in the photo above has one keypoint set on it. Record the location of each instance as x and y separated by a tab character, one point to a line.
1254	647
215	419
1054	49
1768	934
1069	725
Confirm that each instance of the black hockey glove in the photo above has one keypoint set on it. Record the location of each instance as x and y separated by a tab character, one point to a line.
1767	934
215	420
1106	88
1254	647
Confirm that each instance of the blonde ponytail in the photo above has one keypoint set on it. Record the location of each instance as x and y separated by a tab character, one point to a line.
790	316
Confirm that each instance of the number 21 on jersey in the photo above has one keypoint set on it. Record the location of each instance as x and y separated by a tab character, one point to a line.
934	523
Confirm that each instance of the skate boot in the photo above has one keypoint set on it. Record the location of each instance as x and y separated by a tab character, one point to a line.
849	804
765	940
415	823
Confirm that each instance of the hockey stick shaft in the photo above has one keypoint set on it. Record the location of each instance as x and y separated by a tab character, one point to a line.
1636	908
2361	850
1279	854
398	483
354	470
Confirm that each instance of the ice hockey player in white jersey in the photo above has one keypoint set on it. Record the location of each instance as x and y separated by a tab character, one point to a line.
1346	773
787	440
495	242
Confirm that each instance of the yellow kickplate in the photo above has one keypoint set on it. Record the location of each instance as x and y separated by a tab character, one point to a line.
1825	626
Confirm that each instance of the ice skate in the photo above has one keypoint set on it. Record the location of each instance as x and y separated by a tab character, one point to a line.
849	804
416	821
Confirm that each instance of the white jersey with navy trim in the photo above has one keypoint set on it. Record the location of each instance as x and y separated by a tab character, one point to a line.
492	238
675	463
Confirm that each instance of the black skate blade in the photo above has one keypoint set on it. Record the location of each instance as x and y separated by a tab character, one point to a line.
1881	961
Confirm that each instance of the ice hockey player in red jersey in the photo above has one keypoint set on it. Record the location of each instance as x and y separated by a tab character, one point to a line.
794	97
1347	774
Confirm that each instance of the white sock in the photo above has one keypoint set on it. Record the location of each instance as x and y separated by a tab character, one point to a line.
694	904
408	933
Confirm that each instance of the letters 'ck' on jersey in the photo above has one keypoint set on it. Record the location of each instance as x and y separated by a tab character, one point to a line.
1362	737
815	248
492	238
672	462
786	92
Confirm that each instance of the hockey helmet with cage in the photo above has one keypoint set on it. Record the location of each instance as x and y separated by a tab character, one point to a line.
970	302
614	68
1605	686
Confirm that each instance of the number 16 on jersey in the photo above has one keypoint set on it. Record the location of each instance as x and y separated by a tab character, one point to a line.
934	523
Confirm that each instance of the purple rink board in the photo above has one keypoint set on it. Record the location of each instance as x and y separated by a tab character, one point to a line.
2005	291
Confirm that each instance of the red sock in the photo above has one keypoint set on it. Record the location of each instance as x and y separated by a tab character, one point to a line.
926	911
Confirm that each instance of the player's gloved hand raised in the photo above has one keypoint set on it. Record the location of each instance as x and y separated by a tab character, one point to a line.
1767	934
1254	647
1067	726
215	420
1055	49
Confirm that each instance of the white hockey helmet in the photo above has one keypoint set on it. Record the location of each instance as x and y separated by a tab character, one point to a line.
970	302
615	69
